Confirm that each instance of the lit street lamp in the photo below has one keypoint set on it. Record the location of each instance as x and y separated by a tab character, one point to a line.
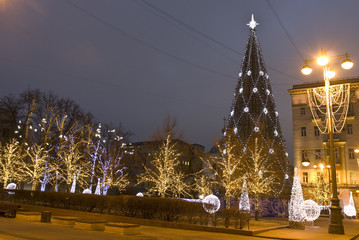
328	98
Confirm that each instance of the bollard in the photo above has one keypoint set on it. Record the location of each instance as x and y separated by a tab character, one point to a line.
46	216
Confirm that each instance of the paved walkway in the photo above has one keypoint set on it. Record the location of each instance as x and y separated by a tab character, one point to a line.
14	229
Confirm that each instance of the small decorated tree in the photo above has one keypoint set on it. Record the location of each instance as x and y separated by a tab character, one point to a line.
244	202
296	211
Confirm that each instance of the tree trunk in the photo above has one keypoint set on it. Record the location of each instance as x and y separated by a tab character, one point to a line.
228	202
256	208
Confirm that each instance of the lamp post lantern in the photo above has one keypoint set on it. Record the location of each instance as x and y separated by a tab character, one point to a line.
327	96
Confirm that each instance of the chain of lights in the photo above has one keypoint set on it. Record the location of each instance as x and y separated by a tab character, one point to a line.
339	97
244	202
296	211
349	210
253	113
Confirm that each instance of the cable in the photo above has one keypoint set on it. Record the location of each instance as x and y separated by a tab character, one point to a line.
147	44
176	20
166	19
284	29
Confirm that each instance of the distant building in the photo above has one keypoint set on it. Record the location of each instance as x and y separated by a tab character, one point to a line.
309	143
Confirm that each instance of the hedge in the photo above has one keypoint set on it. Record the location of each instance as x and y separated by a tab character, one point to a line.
165	209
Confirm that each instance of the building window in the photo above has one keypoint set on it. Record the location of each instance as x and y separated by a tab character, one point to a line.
319	175
353	178
336	155
318	154
338	177
304	154
303	131
316	131
351	153
302	111
350	109
350	128
305	177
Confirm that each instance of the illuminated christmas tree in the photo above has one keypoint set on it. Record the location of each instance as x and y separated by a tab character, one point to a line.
253	114
296	211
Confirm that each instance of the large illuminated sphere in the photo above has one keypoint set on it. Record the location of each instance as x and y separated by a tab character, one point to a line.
139	194
87	191
11	186
211	203
311	209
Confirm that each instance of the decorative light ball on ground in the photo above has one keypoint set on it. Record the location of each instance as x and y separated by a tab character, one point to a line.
11	186
139	194
211	203
87	191
311	209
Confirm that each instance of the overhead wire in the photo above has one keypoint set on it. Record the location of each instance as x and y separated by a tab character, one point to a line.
146	43
204	35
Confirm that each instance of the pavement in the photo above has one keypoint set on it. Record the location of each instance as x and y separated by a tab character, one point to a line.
15	229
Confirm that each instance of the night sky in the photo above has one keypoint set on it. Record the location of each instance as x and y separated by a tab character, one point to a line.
136	61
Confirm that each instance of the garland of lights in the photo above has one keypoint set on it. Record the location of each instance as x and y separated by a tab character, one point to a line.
211	204
311	209
339	98
253	112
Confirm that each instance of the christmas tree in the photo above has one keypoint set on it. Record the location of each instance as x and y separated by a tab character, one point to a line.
244	202
254	116
296	211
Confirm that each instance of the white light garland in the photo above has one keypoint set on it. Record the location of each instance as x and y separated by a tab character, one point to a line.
261	73
249	73
265	110
256	129
87	191
255	89
246	109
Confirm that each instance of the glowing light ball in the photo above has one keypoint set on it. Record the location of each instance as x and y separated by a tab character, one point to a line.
139	194
311	209
211	204
11	186
87	191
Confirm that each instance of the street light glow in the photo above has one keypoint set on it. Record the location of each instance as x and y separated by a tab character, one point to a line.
306	70
347	64
323	60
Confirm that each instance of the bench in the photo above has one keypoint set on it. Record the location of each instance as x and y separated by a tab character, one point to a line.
8	209
29	216
90	224
122	228
64	220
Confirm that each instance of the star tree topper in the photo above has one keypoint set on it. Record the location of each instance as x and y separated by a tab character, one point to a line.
252	24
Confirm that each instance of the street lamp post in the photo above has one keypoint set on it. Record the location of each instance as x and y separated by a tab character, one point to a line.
335	221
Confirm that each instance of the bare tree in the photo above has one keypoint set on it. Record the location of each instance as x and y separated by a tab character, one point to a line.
227	168
259	175
10	165
35	167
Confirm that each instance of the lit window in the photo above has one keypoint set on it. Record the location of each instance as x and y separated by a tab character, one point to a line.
316	131
338	177
303	131
305	177
353	178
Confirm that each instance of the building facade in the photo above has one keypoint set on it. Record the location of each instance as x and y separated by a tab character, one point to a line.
309	144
